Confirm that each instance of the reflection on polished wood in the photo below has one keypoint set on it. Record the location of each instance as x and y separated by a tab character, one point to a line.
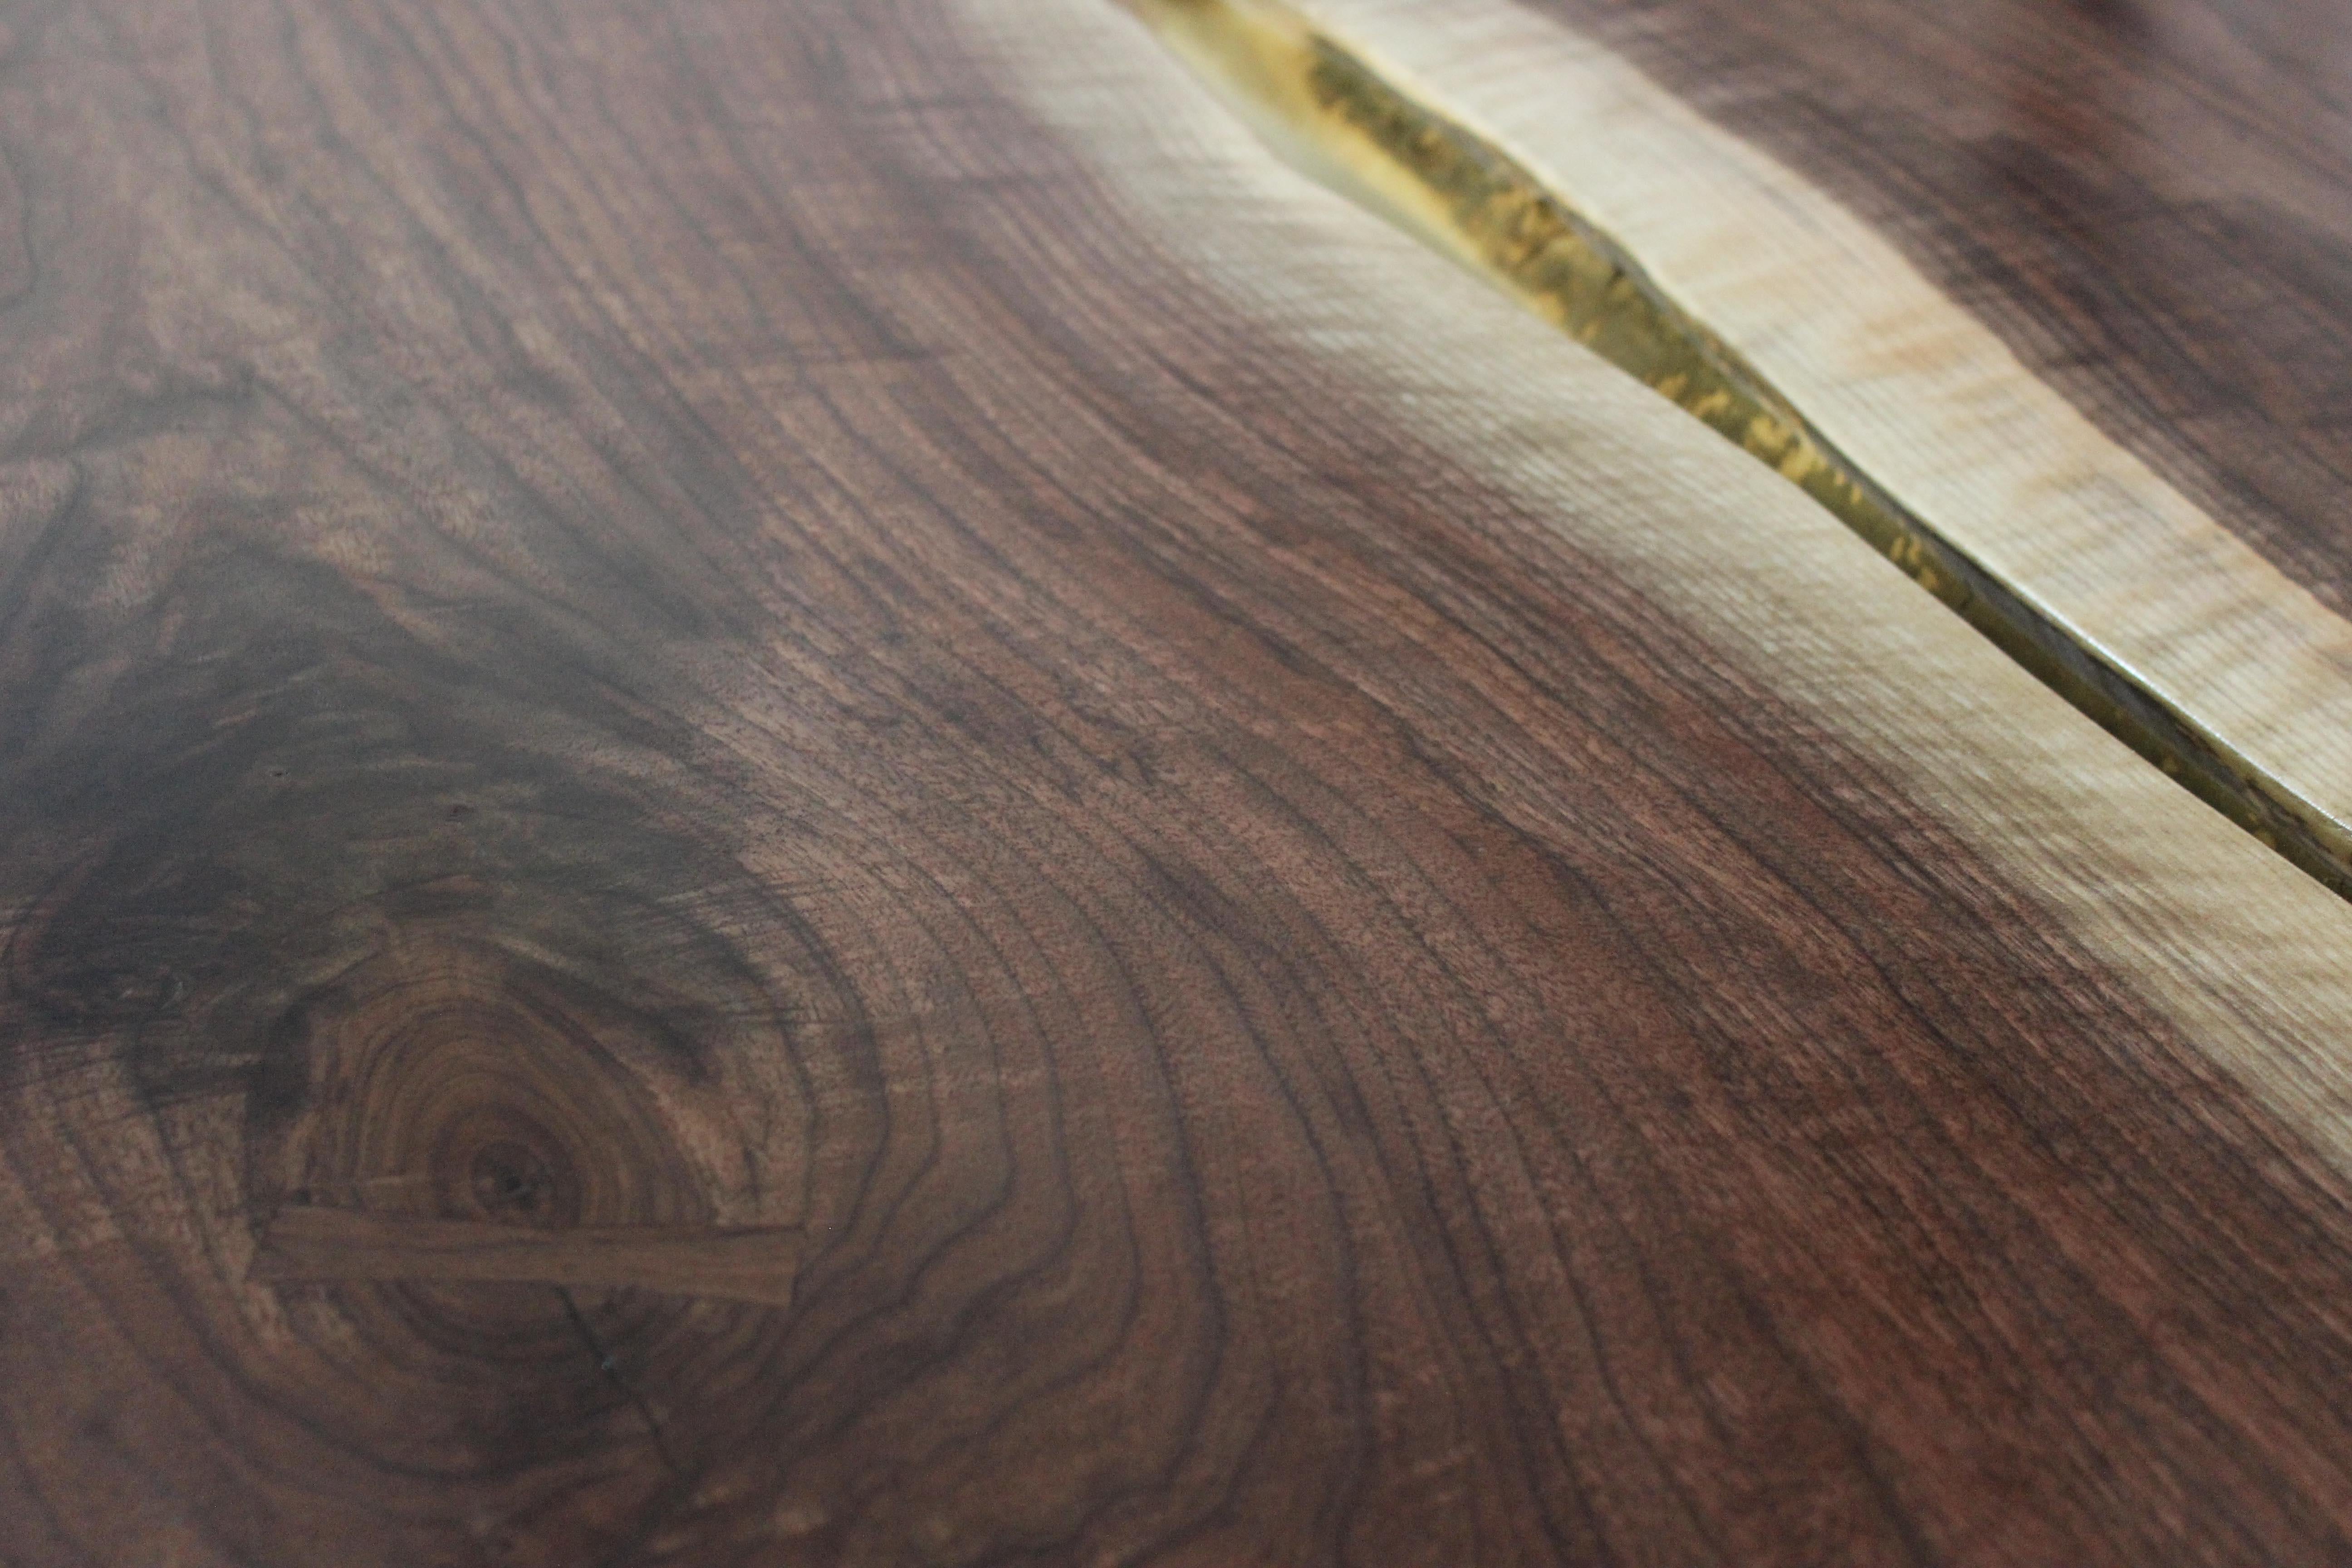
2149	200
1407	154
808	783
1888	392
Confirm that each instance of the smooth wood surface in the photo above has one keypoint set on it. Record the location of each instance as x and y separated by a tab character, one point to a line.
2149	200
2227	667
1206	903
309	1242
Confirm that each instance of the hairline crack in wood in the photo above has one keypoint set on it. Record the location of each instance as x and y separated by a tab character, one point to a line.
1326	111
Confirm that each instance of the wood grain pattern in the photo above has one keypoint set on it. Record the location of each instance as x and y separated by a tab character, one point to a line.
1409	154
2149	200
308	1242
2175	621
623	621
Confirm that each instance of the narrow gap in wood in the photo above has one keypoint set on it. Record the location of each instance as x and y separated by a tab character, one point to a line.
756	1264
1323	110
608	1367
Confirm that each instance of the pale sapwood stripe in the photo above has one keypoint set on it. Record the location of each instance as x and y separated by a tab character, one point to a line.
1921	396
2251	958
1367	137
757	1264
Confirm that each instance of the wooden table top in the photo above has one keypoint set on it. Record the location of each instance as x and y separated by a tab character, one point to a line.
819	783
2149	200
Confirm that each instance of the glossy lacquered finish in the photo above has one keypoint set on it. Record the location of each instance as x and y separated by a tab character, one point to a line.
801	784
2149	200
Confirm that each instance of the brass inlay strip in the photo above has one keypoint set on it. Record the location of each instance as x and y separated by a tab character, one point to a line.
1324	110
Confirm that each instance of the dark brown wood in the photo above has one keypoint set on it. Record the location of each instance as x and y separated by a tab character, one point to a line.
624	617
314	1242
2149	200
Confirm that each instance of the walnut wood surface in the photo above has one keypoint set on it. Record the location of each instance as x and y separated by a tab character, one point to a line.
663	626
2093	565
312	1242
1987	487
2149	200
